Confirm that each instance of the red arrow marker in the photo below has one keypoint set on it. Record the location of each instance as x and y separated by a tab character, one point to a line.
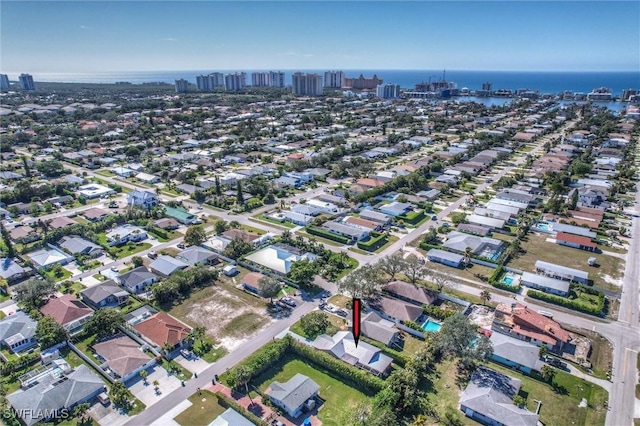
355	323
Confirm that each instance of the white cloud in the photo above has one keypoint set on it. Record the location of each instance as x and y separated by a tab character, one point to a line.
84	27
169	39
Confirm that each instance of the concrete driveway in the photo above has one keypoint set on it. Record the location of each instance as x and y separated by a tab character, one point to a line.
146	392
195	364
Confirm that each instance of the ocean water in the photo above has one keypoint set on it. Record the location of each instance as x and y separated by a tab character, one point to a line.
545	82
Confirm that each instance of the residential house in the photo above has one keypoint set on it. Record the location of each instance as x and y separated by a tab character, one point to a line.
48	257
67	311
251	282
94	190
324	206
61	222
122	358
342	346
137	280
292	396
11	271
181	215
410	293
297	218
515	195
490	222
57	389
279	257
198	256
24	234
79	246
515	353
147	178
445	257
395	310
124	234
246	237
375	216
95	214
167	224
488	399
575	241
230	418
561	272
480	230
518	321
352	232
166	265
105	295
480	246
162	328
377	328
18	332
396	208
546	284
142	199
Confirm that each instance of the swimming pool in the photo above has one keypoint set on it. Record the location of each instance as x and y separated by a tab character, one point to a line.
431	326
544	226
507	280
510	279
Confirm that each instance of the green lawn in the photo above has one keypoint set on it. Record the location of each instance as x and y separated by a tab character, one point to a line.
105	172
128	249
244	324
263	218
320	239
335	324
205	408
176	369
560	407
99	277
171	235
212	355
444	392
256	231
537	248
63	274
339	397
339	300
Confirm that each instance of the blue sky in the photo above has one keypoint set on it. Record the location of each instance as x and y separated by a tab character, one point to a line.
88	36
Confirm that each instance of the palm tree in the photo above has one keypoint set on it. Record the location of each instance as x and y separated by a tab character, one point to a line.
156	384
547	373
243	376
144	374
485	295
467	255
167	348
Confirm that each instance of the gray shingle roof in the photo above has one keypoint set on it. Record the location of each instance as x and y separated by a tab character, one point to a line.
196	255
56	393
295	392
490	393
136	276
100	292
9	268
167	265
77	245
17	324
519	351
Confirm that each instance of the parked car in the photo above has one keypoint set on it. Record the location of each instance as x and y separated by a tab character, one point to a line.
288	301
342	312
152	255
182	246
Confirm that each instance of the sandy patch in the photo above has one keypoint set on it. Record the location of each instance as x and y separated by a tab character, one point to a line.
216	312
610	280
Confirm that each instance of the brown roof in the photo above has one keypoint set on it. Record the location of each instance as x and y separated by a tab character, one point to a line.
411	292
397	309
65	309
239	234
166	223
252	279
122	354
369	183
530	323
61	222
95	213
20	232
161	328
362	222
575	239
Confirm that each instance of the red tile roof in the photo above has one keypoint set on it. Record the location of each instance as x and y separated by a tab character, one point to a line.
65	309
575	239
527	322
161	328
369	183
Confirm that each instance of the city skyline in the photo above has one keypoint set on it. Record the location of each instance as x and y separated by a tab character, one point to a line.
111	36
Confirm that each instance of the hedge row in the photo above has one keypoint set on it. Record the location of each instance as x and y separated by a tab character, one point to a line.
413	325
226	402
340	368
314	230
18	364
496	274
375	239
260	361
412	217
568	303
507	287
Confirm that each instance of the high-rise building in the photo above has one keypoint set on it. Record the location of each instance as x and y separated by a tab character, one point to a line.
306	84
362	83
182	86
388	91
4	82
236	81
627	94
261	79
210	82
334	79
26	82
486	86
276	78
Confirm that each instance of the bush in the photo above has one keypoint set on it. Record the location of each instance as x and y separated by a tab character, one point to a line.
438	312
373	242
412	217
576	304
413	325
507	287
497	273
314	230
261	360
398	357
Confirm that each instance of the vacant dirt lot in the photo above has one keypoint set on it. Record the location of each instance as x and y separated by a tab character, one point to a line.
229	315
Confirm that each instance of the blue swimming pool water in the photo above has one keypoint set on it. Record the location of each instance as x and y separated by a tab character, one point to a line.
431	326
544	226
507	280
